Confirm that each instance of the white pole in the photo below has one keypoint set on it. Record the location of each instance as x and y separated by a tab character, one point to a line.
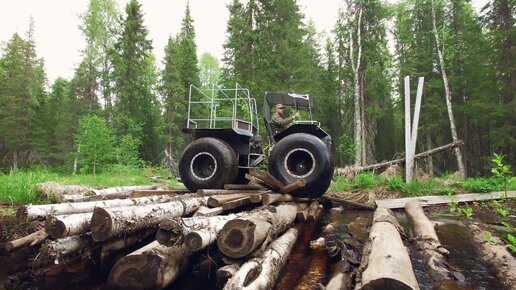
409	158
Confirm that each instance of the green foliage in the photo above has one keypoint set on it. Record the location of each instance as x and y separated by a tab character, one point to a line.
396	183
468	212
512	241
501	170
502	211
17	187
94	143
454	206
340	184
482	184
346	148
365	180
127	151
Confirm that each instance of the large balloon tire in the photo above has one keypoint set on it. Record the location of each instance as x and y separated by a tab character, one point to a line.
208	163
305	156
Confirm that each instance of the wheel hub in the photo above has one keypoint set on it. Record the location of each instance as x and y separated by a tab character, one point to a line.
299	163
203	165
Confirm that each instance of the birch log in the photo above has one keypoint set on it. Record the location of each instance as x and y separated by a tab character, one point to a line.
171	230
66	246
427	242
225	273
29	212
239	237
385	259
261	273
109	222
495	254
152	267
62	226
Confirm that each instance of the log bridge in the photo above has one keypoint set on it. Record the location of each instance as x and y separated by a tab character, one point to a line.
148	239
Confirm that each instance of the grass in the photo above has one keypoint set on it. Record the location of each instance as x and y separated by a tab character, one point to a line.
448	184
17	188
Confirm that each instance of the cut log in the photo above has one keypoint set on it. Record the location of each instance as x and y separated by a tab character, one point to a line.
111	249
54	191
145	193
347	203
439	199
427	242
109	222
29	240
62	247
225	273
225	191
206	211
256	198
271	198
355	170
152	267
293	186
495	254
120	190
29	212
172	230
256	181
62	226
232	204
262	273
240	237
313	211
267	178
243	187
385	259
218	200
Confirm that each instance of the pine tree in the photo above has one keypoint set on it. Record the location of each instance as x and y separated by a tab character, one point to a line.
136	108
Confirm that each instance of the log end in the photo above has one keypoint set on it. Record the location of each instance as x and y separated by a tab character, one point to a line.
136	272
101	225
164	237
386	283
56	229
193	241
236	239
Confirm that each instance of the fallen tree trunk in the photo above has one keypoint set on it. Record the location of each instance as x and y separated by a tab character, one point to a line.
227	191
243	187
144	193
55	192
218	200
495	254
29	212
293	186
427	242
152	267
30	240
62	226
109	222
385	259
120	190
240	237
261	273
267	178
110	250
271	198
351	171
347	203
171	230
62	247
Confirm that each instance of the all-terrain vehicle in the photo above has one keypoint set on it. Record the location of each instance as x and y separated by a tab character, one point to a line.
224	128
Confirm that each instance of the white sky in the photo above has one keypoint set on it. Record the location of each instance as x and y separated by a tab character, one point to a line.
59	40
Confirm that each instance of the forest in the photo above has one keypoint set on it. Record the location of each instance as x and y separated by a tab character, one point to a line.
124	106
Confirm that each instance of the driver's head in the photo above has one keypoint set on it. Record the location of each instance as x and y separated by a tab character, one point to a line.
280	109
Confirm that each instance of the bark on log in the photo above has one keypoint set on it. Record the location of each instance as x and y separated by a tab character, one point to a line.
225	273
267	178
347	203
30	240
120	190
145	193
385	259
29	212
226	191
495	254
62	226
313	211
271	198
256	198
262	273
254	180
232	204
110	222
54	191
218	200
172	230
243	187
152	267
240	237
427	242
293	186
62	247
354	170
111	249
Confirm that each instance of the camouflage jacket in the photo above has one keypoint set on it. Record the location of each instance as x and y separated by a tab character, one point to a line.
279	124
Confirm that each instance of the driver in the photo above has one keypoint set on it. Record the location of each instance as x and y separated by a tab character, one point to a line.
280	121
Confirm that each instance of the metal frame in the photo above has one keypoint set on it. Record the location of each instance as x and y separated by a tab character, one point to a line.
213	98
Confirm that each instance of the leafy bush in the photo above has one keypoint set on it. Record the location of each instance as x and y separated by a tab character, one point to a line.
365	180
396	183
482	184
